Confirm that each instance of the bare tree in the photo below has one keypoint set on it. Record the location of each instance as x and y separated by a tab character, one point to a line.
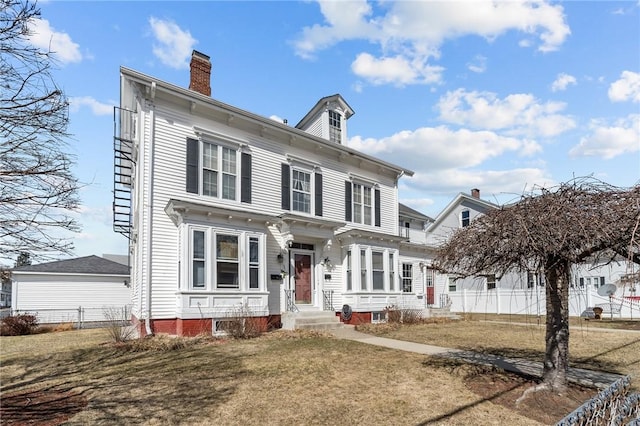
37	188
550	230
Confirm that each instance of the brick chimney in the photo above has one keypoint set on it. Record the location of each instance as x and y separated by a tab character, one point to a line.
200	80
475	193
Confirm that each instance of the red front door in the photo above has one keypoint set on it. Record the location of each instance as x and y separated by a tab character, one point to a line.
303	278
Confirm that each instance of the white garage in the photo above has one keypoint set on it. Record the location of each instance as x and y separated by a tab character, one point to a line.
80	290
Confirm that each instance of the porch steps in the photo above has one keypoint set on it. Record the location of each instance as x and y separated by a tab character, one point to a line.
311	320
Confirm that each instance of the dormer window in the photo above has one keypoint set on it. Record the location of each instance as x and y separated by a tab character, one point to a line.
335	129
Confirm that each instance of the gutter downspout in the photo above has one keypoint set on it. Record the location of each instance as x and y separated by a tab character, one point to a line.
148	328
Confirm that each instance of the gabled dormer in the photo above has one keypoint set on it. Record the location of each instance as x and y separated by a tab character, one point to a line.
328	119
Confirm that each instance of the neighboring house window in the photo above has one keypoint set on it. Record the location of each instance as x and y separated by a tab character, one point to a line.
212	170
301	190
464	218
198	264
377	266
531	280
335	131
349	279
363	270
407	277
452	285
491	282
362	204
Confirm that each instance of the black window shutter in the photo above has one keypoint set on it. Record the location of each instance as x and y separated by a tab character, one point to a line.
601	280
318	194
286	187
347	201
193	156
377	212
245	178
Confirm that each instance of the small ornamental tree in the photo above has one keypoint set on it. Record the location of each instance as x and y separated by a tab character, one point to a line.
550	230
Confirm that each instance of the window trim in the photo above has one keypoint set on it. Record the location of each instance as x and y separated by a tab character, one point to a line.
464	222
244	239
407	277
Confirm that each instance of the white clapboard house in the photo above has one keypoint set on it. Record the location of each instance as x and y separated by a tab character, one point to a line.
230	211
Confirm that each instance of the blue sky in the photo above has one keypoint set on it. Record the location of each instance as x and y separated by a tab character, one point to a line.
495	96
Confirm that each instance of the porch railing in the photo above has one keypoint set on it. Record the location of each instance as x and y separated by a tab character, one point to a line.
327	296
290	301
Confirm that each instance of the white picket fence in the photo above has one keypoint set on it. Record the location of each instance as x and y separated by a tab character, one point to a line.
533	302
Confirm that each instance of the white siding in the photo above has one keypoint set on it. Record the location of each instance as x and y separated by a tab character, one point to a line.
56	298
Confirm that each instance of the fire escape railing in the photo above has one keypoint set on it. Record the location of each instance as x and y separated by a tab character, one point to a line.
123	140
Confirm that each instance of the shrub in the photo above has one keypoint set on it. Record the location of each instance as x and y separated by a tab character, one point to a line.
118	326
19	325
242	324
397	315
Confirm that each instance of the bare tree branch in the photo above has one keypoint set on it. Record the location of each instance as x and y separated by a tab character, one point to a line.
37	188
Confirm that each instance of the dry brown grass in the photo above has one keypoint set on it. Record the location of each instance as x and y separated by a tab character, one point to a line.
590	348
282	378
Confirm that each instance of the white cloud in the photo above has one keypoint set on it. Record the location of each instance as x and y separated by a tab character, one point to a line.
97	108
513	182
439	148
562	82
518	114
397	70
173	45
409	34
478	65
609	141
44	37
627	88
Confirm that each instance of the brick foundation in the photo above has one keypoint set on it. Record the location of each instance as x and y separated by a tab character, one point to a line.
356	318
193	327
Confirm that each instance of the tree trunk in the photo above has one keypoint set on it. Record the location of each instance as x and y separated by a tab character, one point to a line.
556	357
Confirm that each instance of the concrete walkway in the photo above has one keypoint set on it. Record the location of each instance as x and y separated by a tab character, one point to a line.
517	365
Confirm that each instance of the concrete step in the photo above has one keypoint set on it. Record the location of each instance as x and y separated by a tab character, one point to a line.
320	320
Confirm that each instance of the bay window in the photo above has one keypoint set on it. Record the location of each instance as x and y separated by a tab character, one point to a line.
225	260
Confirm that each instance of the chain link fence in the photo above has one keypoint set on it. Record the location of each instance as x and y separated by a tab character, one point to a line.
82	316
613	406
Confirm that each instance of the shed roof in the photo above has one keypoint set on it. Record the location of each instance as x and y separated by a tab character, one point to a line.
93	265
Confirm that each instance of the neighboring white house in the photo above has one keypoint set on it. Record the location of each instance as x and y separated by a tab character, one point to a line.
523	293
225	208
72	290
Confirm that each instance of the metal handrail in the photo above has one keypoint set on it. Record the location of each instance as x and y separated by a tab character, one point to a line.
290	301
327	296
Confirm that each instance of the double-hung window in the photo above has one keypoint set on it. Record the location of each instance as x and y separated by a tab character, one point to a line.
392	272
362	204
335	128
227	261
349	279
363	270
198	260
377	266
301	191
219	171
407	277
465	218
491	282
254	263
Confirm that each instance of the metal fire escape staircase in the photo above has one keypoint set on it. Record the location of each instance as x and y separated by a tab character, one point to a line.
124	160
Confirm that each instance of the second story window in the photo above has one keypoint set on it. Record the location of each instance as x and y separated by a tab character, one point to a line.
214	170
335	129
301	191
465	218
362	203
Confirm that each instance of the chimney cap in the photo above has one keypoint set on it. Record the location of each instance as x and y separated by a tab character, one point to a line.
200	55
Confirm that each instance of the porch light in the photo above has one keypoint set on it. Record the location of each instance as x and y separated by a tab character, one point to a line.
280	258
